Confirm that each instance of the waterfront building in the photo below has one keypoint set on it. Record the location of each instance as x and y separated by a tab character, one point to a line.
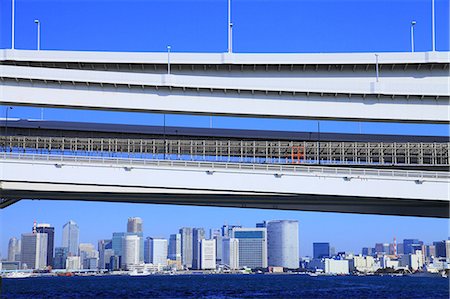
34	250
103	245
130	250
430	251
186	246
155	251
8	265
252	247
282	243
364	264
400	250
14	249
332	266
414	261
230	253
387	262
61	254
70	238
198	234
118	244
73	263
207	255
45	228
87	253
115	262
108	253
174	252
134	225
321	250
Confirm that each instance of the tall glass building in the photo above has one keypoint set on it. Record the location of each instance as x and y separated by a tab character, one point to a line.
252	247
70	238
34	250
186	246
321	250
198	234
175	247
50	231
155	251
282	243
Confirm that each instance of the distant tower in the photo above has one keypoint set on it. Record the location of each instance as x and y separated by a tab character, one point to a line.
44	228
395	246
134	225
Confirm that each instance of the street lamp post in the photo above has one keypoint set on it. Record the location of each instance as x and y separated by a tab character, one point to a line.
38	23
13	4
168	60
433	29
230	29
413	23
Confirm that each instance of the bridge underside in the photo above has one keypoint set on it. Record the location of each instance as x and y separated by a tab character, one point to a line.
300	202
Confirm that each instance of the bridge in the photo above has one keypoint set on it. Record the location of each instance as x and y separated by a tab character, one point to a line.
393	87
378	176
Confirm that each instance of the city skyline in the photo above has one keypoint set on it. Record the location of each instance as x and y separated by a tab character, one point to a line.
267	27
337	237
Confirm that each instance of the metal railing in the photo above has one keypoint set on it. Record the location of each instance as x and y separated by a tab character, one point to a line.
242	151
277	170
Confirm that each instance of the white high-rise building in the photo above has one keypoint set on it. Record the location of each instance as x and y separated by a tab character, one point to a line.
14	249
175	247
252	246
283	244
34	250
156	251
230	253
70	238
73	263
207	254
131	247
88	256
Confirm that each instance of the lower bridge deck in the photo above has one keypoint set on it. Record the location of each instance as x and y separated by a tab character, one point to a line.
377	154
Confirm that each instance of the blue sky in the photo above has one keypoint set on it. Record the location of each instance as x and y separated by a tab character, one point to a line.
200	26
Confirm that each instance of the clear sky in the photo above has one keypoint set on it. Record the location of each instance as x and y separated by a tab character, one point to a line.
200	26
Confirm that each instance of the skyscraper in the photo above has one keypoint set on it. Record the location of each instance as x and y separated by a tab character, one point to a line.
252	246
321	250
50	231
130	250
71	237
186	246
230	253
175	247
14	250
134	225
155	251
103	245
283	244
228	229
60	257
198	234
34	250
207	255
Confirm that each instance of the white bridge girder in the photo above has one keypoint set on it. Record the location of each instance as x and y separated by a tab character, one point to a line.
221	184
418	94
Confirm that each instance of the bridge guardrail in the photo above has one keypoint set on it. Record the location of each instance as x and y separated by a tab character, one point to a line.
277	169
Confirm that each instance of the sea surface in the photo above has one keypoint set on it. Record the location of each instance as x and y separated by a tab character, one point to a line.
226	286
